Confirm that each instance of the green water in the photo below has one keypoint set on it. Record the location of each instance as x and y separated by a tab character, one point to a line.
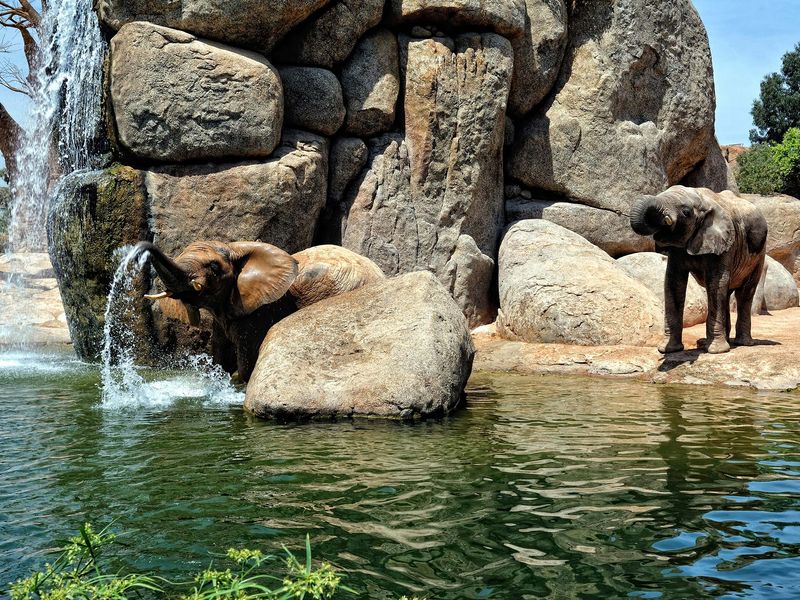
541	488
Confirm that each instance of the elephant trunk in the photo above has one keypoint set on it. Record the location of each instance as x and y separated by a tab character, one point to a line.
175	279
650	214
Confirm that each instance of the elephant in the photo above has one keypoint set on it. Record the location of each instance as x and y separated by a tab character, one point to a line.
720	238
248	287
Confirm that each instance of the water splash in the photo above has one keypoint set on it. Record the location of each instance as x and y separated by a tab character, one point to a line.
65	118
123	384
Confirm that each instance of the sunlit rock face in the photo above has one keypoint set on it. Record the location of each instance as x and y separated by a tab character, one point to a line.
443	178
177	98
255	24
632	111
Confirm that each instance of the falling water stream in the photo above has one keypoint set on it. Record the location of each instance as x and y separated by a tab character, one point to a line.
65	116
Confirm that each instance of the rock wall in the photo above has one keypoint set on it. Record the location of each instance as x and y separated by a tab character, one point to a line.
410	131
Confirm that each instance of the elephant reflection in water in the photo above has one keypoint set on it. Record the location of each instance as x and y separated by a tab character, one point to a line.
249	286
721	240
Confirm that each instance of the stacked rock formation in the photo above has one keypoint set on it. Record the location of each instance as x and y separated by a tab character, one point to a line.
410	131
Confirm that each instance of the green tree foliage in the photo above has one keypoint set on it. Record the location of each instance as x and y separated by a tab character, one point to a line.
778	107
770	168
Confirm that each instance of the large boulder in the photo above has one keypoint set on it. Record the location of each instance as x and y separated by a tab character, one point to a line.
371	82
713	173
328	38
634	108
606	229
396	348
506	17
312	99
783	235
421	192
538	54
780	288
556	287
276	201
252	24
650	268
177	98
94	215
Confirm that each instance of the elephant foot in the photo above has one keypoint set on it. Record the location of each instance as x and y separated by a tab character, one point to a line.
743	341
668	347
718	347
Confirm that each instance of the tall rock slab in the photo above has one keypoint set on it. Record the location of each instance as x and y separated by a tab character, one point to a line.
633	110
177	98
443	179
255	24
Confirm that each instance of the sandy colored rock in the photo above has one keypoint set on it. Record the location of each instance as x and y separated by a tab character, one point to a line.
371	82
713	173
783	235
506	17
328	38
421	192
396	348
348	157
177	98
650	268
538	54
634	110
276	201
780	288
31	311
606	229
312	99
556	287
770	365
466	271
252	24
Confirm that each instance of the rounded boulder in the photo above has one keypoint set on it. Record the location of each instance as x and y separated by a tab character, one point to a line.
556	287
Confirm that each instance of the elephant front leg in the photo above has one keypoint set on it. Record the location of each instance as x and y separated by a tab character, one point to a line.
717	324
744	304
675	283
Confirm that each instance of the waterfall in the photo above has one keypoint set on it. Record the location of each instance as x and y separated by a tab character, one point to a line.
65	116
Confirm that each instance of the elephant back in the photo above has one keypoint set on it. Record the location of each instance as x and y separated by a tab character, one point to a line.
328	270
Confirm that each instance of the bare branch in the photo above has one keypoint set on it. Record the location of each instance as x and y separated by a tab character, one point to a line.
10	133
31	51
33	16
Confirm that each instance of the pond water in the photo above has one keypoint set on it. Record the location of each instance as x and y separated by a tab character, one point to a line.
541	488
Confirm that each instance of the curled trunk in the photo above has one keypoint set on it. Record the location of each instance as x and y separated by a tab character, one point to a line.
175	279
649	214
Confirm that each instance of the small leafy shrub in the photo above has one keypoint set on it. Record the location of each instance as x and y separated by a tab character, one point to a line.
78	574
770	168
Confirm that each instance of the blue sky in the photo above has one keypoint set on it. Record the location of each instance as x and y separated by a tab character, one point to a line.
748	38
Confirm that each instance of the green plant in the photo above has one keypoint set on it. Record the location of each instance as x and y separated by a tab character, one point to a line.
786	156
778	106
78	573
758	173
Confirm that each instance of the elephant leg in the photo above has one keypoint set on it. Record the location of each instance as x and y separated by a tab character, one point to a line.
744	304
719	311
675	282
223	352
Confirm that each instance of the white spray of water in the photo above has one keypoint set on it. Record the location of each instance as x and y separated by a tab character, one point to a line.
124	385
65	106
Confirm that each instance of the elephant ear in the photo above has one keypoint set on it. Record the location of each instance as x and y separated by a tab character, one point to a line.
179	311
265	273
715	234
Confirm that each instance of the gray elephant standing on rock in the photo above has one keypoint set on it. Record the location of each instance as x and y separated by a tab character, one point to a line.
721	240
249	286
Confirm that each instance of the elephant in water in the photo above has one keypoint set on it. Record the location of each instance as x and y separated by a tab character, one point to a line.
721	240
249	286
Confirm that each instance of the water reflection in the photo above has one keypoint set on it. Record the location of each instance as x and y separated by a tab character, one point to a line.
541	488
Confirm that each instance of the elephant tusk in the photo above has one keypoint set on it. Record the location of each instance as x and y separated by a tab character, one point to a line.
158	296
668	221
197	285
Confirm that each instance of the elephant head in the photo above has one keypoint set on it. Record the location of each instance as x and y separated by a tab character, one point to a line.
685	218
232	279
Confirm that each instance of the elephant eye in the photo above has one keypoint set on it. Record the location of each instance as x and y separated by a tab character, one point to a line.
686	211
215	268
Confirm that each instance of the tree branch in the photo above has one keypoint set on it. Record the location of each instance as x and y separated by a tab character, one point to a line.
10	133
